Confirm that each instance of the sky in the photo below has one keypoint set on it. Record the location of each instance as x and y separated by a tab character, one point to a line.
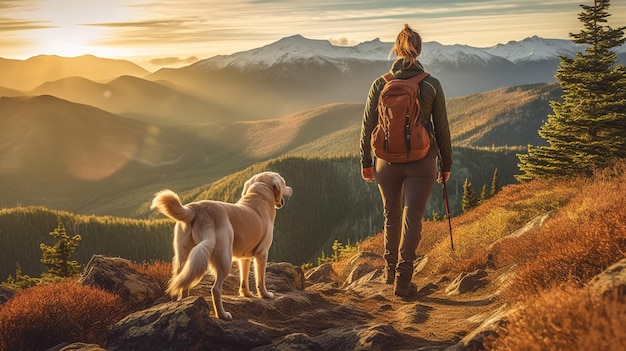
173	33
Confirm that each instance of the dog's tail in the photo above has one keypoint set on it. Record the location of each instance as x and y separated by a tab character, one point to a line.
169	204
194	268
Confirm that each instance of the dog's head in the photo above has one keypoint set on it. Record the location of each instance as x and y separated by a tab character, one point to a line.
275	182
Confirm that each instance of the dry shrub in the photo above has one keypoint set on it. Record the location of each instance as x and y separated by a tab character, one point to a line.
158	270
374	244
565	320
582	239
475	231
44	316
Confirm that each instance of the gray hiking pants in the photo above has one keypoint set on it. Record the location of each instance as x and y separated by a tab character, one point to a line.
404	189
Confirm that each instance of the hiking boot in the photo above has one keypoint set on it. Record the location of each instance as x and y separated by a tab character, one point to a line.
389	276
404	289
403	285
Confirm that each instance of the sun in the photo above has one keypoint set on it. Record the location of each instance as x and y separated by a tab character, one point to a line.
73	28
69	41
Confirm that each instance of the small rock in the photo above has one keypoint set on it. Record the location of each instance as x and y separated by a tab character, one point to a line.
320	274
6	294
292	342
467	282
611	281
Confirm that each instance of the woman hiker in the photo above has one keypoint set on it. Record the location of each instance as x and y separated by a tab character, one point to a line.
405	187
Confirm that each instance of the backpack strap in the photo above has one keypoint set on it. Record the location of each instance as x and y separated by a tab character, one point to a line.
416	78
419	77
389	76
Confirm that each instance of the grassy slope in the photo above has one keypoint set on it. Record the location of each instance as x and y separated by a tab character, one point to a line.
508	116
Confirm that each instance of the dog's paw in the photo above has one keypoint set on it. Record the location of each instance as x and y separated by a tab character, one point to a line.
267	295
226	316
245	293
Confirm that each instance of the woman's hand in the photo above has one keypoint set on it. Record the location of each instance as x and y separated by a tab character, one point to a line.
368	174
446	176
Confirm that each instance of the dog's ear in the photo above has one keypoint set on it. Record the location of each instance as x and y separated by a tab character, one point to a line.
246	186
277	187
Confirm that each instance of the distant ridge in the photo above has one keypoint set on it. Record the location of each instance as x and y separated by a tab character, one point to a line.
154	102
28	74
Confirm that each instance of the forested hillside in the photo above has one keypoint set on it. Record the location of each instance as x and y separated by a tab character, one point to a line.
330	202
24	228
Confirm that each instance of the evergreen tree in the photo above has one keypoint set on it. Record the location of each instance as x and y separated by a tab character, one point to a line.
57	257
469	200
436	216
21	281
483	194
588	127
495	183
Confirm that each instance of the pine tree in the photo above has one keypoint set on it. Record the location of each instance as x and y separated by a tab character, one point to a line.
495	183
436	216
469	199
588	127
21	281
57	257
483	194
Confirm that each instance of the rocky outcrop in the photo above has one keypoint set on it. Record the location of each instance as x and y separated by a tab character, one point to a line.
183	325
115	275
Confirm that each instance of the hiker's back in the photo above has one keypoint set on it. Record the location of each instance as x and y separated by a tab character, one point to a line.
400	135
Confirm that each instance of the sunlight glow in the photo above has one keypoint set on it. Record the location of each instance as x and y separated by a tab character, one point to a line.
69	33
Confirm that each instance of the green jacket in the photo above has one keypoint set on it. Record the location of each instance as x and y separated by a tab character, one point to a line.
433	104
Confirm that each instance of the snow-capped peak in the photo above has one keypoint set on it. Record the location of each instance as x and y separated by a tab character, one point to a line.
534	49
296	48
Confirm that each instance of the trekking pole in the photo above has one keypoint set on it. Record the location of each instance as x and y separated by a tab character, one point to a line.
443	187
445	199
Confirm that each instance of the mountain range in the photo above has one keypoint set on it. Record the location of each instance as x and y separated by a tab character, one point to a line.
287	76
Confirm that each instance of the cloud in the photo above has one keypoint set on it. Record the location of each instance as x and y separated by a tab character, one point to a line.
141	24
172	61
342	41
11	25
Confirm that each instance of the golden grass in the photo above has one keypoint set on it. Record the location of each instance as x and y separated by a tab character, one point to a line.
476	230
565	319
44	316
582	239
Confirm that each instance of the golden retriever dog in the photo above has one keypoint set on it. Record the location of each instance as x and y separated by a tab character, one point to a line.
209	234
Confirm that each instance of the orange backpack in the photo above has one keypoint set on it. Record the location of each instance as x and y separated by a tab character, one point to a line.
400	135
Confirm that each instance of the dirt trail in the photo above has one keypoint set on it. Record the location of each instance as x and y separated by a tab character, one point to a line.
428	320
